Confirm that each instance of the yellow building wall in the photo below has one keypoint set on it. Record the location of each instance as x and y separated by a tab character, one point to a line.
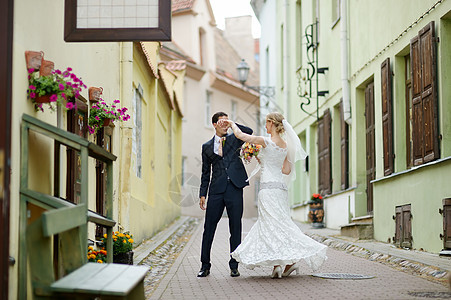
151	207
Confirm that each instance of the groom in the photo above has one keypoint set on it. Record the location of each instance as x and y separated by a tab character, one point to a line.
221	157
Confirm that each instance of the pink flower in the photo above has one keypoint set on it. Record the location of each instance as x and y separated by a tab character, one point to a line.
63	95
116	101
53	98
97	118
32	87
69	69
58	72
69	105
61	87
30	70
32	95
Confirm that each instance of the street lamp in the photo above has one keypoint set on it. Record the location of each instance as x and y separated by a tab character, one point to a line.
243	72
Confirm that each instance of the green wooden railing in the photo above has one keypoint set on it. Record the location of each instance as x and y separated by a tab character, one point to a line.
59	217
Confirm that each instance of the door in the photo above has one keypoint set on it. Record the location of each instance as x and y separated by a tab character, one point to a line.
76	123
403	224
104	136
370	142
6	35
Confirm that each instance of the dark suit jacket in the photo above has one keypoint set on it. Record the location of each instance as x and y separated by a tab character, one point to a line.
228	166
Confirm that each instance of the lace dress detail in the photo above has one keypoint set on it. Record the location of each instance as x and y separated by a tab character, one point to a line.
275	239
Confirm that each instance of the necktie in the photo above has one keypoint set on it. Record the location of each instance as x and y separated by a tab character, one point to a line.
221	142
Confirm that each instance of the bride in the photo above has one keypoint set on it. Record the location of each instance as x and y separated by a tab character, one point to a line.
275	240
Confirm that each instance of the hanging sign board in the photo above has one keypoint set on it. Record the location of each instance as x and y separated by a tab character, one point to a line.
117	20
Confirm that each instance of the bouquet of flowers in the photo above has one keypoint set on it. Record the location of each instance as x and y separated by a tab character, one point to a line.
248	151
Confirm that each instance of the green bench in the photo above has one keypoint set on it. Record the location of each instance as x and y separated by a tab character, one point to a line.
53	233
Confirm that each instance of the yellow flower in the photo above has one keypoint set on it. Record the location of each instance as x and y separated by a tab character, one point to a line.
90	248
114	237
117	232
127	236
100	261
105	235
124	241
130	240
92	256
120	235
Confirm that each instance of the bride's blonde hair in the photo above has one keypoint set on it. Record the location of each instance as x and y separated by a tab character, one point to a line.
276	118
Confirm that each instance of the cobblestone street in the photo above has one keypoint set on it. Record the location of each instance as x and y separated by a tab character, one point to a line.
176	262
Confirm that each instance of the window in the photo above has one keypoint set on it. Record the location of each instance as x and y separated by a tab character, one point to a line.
233	115
202	47
208	109
324	154
336	15
137	129
424	114
183	179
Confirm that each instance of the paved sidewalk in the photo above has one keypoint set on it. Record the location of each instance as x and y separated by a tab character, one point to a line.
181	282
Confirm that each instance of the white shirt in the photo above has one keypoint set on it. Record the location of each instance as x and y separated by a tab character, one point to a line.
216	144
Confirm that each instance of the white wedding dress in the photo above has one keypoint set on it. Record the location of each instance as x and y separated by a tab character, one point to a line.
275	239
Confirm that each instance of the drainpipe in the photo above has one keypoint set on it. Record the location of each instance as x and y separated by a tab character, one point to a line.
345	86
287	60
125	134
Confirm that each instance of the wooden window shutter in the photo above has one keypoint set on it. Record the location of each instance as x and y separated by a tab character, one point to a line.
328	151
424	103
446	223
387	117
324	154
398	226
344	151
428	92
321	183
407	226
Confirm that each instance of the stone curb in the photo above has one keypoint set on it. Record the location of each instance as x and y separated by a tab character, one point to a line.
427	271
146	247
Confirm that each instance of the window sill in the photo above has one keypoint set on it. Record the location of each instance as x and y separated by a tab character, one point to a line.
413	169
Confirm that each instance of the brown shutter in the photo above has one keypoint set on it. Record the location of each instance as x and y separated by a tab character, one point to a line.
370	144
344	151
425	120
398	225
321	187
387	117
417	107
428	92
327	153
406	226
446	223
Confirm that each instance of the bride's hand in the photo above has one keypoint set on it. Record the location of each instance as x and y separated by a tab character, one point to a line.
224	123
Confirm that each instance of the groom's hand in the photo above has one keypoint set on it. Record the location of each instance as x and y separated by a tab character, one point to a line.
202	203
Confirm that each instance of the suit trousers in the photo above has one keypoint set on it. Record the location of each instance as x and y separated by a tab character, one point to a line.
232	200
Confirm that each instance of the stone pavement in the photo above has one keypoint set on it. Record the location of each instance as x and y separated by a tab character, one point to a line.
181	282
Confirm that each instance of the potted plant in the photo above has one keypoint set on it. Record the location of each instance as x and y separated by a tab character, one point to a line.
96	256
101	114
54	89
122	247
316	211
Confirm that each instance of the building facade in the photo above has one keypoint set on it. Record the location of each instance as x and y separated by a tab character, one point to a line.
210	86
147	147
368	96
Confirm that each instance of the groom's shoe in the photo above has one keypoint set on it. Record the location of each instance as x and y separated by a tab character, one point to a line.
234	273
203	273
